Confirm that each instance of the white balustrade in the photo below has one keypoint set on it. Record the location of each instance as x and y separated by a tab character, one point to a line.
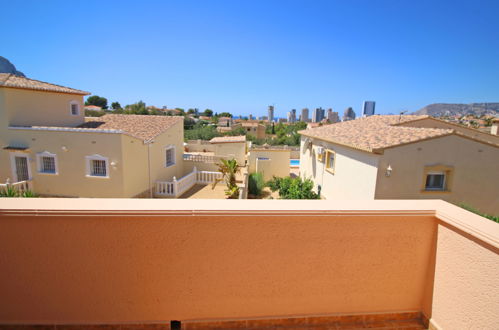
176	187
202	158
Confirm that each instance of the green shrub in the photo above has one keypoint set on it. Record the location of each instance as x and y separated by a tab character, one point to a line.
474	210
255	184
28	194
9	191
293	188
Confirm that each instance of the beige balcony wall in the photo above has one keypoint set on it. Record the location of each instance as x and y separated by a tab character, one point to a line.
282	258
474	171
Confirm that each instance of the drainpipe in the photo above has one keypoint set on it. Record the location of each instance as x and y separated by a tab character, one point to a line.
149	166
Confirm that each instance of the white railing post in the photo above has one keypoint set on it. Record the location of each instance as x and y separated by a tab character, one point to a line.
174	186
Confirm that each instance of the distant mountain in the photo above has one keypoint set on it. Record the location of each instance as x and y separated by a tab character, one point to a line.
453	109
7	67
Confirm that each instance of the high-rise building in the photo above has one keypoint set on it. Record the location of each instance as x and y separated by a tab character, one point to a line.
271	113
304	115
368	108
318	115
292	116
349	114
250	117
332	116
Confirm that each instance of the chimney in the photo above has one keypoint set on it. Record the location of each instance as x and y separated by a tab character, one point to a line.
494	129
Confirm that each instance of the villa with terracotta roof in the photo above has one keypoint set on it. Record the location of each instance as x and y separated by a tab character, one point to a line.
47	141
402	157
253	128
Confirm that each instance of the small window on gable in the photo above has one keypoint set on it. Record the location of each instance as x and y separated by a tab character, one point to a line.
169	156
47	163
435	181
330	160
97	166
437	178
74	108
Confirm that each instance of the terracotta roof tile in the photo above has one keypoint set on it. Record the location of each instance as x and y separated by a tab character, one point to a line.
228	139
140	126
375	132
13	81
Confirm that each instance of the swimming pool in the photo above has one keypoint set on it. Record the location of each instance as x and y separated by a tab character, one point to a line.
294	162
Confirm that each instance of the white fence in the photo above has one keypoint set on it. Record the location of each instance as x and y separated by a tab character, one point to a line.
202	158
176	187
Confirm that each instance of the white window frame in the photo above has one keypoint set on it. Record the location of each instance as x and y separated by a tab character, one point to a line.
39	162
88	161
77	108
443	182
174	155
331	168
13	164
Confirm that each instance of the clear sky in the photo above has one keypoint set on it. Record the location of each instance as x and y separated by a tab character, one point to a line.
240	56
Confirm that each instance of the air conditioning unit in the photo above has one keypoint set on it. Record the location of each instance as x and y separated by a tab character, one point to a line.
320	153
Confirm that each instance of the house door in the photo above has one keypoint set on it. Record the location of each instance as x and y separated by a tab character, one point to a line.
21	170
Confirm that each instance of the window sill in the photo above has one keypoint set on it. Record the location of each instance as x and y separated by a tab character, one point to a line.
330	171
97	177
166	166
47	173
424	191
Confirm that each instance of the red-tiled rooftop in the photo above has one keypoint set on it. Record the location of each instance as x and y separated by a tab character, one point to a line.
143	127
13	81
375	133
228	139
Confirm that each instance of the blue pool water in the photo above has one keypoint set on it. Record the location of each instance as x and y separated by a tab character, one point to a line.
294	162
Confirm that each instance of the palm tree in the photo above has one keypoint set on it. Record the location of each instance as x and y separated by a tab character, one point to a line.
229	169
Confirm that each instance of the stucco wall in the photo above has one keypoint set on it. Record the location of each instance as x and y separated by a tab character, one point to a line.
278	164
475	172
200	146
466	290
86	268
29	107
354	174
71	179
173	136
231	150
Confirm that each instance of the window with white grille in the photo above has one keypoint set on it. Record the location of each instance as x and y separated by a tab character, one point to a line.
47	163
169	156
75	108
97	166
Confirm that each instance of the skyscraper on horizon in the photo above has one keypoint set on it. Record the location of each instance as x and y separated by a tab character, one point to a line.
332	117
271	113
349	114
368	108
318	115
304	115
292	116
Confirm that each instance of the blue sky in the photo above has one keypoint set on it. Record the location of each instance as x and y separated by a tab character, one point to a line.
240	56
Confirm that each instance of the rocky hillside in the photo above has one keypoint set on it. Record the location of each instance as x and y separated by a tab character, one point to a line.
453	109
7	67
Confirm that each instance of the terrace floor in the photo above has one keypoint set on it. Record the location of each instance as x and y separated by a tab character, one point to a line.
200	191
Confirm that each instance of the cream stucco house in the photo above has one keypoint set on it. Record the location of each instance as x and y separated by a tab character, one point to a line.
403	157
46	139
